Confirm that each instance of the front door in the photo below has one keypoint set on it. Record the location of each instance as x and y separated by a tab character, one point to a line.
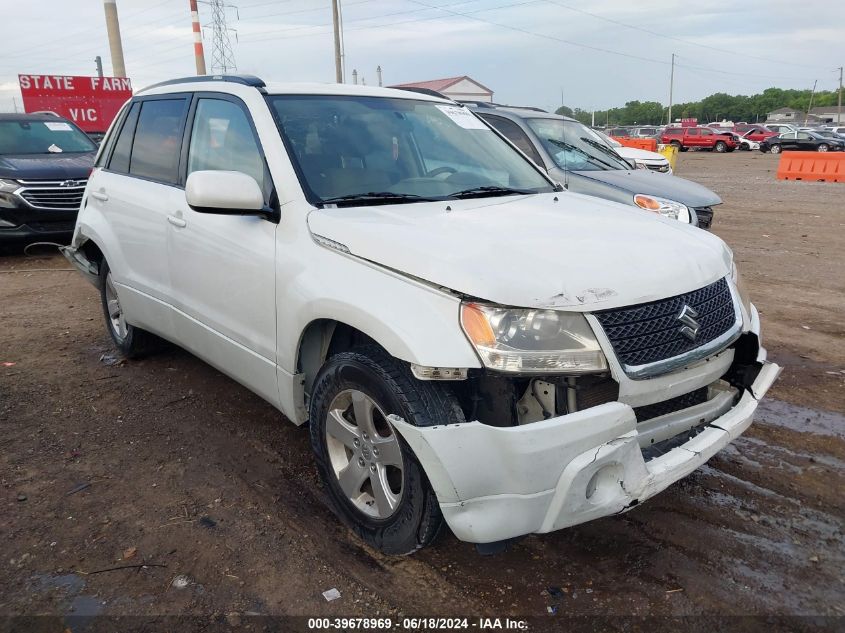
222	267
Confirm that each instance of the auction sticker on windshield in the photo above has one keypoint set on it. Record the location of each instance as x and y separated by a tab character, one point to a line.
462	117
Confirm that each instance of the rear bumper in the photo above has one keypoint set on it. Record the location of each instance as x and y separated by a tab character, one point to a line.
495	483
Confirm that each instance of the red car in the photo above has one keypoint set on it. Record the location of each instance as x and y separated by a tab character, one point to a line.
758	133
702	137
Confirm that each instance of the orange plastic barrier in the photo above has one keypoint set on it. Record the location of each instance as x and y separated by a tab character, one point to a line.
812	166
648	144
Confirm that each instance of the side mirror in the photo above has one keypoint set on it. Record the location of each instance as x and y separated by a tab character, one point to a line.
226	193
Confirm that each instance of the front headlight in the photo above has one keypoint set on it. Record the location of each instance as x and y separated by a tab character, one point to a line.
8	185
741	289
532	341
666	208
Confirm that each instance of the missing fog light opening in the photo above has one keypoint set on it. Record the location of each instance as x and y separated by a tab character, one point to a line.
604	484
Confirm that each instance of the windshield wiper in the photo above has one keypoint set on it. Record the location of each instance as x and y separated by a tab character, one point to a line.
602	147
489	191
595	159
377	197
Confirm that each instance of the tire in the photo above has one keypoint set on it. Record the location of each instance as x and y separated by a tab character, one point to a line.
131	341
776	149
823	147
720	147
678	145
383	386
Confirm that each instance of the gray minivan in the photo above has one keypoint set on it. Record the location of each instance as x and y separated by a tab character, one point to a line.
577	157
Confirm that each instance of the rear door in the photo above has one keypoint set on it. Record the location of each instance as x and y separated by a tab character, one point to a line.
692	138
134	190
222	267
789	140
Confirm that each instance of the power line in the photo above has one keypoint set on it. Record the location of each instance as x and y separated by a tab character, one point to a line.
675	38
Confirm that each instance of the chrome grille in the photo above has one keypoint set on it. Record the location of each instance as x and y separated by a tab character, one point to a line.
53	195
646	336
662	168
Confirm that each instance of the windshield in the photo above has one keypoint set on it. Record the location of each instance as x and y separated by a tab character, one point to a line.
42	137
389	151
575	147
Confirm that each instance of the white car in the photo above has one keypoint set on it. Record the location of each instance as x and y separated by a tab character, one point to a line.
467	341
643	159
745	143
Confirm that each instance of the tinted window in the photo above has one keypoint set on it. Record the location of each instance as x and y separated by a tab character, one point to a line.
673	131
158	139
515	135
123	147
222	139
706	133
692	132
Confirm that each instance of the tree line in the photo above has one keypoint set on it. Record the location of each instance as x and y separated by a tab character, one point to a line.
716	107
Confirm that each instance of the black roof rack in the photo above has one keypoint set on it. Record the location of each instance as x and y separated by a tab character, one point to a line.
422	91
244	80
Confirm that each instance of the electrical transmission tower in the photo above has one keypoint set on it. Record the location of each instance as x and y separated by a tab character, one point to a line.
222	57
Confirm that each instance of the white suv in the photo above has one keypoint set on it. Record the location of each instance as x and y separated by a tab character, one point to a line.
467	342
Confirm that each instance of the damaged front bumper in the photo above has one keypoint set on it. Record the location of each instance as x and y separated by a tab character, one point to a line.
495	483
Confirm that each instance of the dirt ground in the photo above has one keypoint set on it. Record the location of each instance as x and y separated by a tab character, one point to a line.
164	461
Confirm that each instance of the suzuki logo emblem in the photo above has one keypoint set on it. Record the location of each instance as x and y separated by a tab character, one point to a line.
69	183
690	326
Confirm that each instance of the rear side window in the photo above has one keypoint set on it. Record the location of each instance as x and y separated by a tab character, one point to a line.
222	139
158	140
123	146
515	135
673	131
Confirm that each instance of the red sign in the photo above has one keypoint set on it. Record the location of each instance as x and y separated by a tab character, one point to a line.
689	122
90	102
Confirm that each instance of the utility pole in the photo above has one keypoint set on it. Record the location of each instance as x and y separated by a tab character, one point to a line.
115	45
199	53
378	72
99	61
671	87
810	107
338	62
839	104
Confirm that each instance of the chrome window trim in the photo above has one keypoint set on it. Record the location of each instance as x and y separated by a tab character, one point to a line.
648	370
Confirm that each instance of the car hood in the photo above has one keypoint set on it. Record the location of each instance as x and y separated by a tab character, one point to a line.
47	166
654	184
564	251
632	153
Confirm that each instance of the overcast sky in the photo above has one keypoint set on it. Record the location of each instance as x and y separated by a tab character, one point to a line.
600	53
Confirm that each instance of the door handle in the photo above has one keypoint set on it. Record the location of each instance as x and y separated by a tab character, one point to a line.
177	221
99	195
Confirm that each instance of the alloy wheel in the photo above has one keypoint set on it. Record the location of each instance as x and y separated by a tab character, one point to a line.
364	454
117	320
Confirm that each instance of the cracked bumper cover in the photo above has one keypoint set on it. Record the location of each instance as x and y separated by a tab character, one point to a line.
495	483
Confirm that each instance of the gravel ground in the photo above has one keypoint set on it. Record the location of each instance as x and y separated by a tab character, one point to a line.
164	461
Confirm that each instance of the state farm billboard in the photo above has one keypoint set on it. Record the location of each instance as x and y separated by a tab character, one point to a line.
90	102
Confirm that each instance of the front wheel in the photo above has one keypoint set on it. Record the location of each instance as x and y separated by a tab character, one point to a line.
823	147
374	481
776	149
